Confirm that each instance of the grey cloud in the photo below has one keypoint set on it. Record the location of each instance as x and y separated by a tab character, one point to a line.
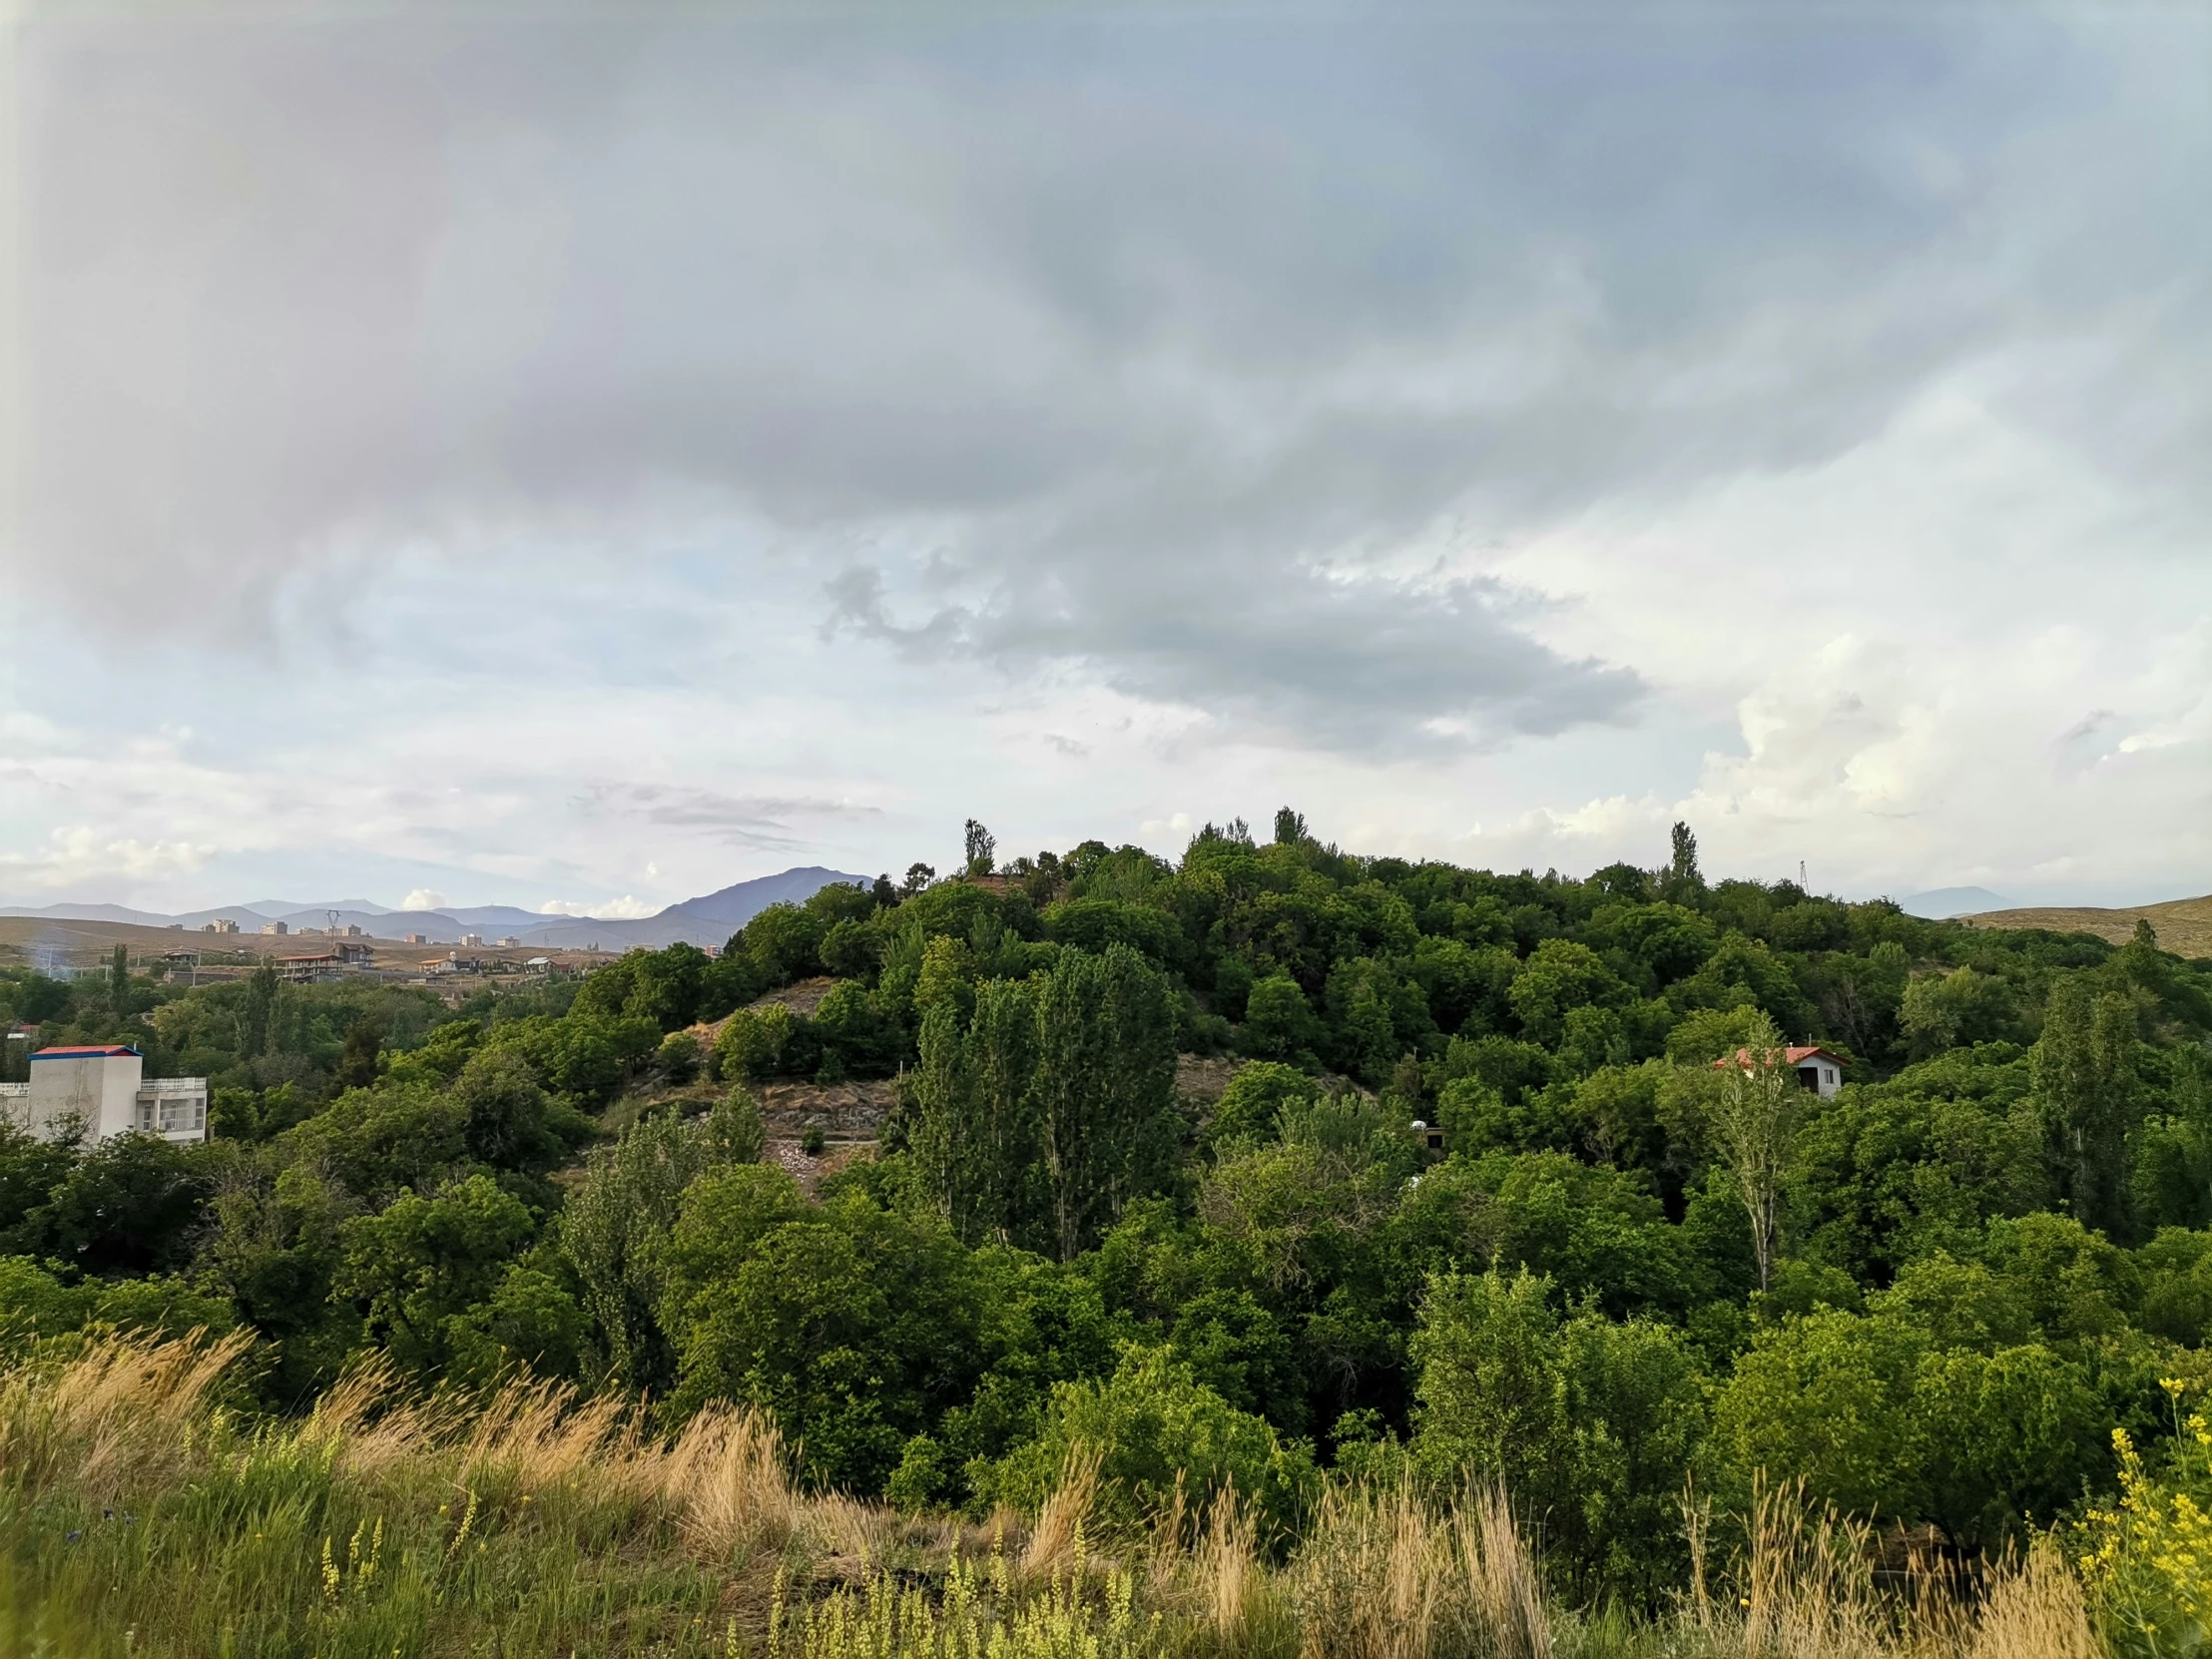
1149	335
859	605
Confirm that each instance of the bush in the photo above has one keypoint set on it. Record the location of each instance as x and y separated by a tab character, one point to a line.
754	1041
1156	1429
677	1058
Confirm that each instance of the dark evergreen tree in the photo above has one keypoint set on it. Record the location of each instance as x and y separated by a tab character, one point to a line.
259	1027
364	1041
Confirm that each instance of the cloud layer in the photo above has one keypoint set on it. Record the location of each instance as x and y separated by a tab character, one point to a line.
842	428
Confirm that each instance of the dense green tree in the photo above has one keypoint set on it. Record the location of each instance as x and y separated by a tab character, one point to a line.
423	1262
1158	1431
31	1167
365	1040
37	1303
275	1250
127	1205
1683	882
1251	1107
856	1327
260	1009
976	1130
1107	1113
1590	1423
615	1230
1829	1399
2084	1085
1279	1022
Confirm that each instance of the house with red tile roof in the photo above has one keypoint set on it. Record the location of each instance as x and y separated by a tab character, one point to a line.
1816	1068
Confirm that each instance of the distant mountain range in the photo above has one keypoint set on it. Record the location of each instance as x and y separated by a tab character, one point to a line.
1945	902
708	919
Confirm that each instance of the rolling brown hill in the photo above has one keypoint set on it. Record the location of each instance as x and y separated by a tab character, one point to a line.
2184	926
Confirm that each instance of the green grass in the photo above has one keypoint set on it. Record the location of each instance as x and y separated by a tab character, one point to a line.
141	1513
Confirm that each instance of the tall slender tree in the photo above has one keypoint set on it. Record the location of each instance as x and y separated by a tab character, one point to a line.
974	1134
2084	1071
260	1023
1105	1088
944	1134
1754	1119
1683	880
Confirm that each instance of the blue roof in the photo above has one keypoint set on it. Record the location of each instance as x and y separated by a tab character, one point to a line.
94	1051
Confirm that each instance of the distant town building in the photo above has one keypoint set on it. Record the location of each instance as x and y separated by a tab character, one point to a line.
102	1092
511	942
472	938
327	964
418	938
277	927
219	925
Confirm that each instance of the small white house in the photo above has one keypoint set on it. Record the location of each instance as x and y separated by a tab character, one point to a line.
1816	1068
100	1092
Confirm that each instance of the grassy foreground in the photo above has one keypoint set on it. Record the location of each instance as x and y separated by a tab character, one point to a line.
139	1514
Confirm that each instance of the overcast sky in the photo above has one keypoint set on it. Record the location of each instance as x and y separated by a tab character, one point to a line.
588	462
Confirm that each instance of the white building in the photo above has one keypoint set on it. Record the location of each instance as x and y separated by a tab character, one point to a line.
102	1092
1816	1068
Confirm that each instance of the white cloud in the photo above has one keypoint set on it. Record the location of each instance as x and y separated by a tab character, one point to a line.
79	853
422	898
628	907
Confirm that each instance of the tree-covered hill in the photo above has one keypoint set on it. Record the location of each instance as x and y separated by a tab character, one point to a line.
1935	1297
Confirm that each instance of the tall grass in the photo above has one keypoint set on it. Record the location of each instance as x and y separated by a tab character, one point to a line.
142	1514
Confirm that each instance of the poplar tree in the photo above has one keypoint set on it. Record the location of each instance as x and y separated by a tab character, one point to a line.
2084	1071
1105	1088
944	1136
974	1134
1753	1118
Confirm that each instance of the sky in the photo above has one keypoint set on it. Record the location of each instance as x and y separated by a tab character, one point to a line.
584	458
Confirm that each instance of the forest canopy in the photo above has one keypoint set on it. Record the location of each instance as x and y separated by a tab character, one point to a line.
1502	1176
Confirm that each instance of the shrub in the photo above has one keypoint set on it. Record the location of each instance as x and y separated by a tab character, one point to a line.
1158	1433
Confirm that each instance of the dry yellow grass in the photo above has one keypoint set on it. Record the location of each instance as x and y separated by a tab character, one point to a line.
116	1414
2184	926
559	1518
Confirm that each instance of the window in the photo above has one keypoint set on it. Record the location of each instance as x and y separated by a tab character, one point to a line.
180	1113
